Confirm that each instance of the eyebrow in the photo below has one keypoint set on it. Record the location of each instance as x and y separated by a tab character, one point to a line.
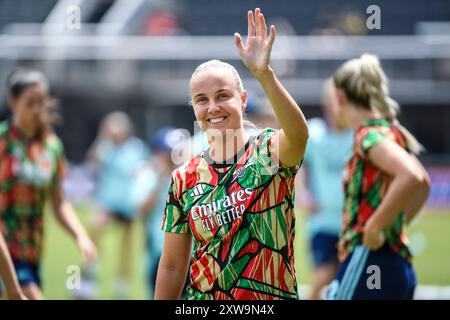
199	95
218	91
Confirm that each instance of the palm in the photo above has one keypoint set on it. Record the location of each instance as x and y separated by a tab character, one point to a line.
256	53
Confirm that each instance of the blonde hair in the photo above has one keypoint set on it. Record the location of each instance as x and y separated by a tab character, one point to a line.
365	84
217	64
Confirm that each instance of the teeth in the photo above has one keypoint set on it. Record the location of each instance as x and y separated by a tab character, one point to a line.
216	120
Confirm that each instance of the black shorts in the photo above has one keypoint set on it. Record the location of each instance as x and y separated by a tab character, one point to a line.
324	249
27	273
372	275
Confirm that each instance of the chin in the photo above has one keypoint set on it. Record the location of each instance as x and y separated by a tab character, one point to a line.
215	131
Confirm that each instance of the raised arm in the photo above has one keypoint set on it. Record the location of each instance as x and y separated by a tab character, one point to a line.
291	140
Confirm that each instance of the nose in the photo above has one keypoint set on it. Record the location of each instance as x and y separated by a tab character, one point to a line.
213	107
37	112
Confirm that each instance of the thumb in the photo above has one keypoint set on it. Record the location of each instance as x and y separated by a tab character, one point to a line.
238	42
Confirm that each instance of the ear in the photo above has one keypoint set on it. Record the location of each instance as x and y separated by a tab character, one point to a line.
341	98
244	99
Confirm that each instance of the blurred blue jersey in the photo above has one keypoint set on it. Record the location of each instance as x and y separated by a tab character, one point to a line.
118	164
147	183
326	155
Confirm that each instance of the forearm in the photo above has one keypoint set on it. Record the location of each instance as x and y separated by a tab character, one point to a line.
67	217
169	283
289	115
396	200
417	202
7	272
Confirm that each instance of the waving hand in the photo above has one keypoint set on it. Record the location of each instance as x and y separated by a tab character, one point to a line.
256	52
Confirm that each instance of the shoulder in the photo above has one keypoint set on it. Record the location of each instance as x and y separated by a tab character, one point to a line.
369	136
136	143
53	142
265	135
4	128
367	133
186	175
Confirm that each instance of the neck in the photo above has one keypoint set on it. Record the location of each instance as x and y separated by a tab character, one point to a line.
225	147
29	132
356	116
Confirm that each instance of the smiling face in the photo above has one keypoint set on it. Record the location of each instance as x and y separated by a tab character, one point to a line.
217	100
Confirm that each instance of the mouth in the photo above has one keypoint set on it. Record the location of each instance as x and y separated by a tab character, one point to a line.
217	120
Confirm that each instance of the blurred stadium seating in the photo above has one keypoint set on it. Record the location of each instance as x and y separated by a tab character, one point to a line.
112	62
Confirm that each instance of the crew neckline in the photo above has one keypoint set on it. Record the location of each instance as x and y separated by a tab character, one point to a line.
230	161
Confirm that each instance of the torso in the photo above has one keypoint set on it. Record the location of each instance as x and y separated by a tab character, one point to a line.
243	223
28	170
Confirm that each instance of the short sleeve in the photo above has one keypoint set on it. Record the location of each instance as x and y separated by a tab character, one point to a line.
61	162
268	157
175	220
369	139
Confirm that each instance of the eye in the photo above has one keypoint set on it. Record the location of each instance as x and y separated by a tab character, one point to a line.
223	96
201	100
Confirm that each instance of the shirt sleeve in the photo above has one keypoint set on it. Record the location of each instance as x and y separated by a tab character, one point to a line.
175	219
268	156
369	139
61	163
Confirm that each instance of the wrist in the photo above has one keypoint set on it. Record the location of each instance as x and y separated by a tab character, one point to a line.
374	224
80	236
262	75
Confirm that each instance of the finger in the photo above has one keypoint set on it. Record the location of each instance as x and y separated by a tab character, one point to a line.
238	42
251	24
258	22
262	26
272	35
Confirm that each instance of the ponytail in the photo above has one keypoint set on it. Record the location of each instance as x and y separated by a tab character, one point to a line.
365	84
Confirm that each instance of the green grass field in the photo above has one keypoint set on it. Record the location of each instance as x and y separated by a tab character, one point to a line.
429	234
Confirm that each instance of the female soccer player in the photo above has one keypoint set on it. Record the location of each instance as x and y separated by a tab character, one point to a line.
117	153
329	148
235	199
32	165
385	186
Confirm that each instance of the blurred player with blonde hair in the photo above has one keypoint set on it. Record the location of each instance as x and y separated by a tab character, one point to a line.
385	187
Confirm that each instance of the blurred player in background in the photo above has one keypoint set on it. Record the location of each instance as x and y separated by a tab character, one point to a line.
32	167
328	149
152	183
117	153
236	198
385	187
8	275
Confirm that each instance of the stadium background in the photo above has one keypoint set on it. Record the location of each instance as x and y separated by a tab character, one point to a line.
137	56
